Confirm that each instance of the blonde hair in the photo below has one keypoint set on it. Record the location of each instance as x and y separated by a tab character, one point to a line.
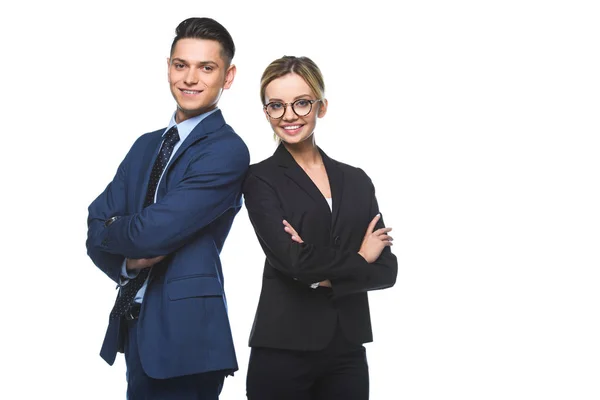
303	66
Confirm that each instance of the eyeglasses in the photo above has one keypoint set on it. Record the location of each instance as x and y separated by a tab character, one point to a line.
301	107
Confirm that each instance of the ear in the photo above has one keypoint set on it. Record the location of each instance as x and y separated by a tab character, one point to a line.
169	69
229	76
323	108
266	115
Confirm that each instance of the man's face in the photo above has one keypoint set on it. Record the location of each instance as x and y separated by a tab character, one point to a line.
197	76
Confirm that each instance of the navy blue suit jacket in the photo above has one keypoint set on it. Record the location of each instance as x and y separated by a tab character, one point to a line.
183	326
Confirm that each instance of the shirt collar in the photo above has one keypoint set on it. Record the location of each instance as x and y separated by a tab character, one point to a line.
186	127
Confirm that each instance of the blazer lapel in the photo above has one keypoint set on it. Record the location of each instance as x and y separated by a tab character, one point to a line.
293	171
336	183
148	158
207	126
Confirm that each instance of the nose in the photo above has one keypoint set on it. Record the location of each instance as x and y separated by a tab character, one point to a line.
191	78
289	114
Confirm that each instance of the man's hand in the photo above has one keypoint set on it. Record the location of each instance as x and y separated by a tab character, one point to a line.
374	242
141	263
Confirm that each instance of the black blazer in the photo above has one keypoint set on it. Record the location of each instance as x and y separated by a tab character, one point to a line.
290	314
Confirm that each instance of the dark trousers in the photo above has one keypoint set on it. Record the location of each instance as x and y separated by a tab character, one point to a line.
340	372
140	386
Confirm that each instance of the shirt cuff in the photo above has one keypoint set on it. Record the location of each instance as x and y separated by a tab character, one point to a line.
126	275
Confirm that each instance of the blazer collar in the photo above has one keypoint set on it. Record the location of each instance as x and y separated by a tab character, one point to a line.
207	126
334	173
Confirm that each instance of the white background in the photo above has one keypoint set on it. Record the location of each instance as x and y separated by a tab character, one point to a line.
478	122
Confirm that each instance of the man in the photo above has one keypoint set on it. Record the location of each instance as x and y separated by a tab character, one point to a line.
159	226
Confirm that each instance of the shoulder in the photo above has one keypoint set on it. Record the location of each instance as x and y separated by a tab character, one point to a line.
354	176
262	174
233	141
222	146
227	137
265	167
351	172
149	137
142	142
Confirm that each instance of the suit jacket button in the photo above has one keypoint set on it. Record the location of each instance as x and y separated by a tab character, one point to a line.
336	241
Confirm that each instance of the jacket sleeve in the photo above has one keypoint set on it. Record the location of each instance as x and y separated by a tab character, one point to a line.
304	262
211	186
110	202
378	275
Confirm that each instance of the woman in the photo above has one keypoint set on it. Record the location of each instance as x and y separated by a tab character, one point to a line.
318	223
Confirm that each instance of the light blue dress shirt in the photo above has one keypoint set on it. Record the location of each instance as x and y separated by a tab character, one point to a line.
184	129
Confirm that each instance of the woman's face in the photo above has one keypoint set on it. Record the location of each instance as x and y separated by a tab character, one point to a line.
280	93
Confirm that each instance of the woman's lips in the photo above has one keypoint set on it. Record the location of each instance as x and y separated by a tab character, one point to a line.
292	129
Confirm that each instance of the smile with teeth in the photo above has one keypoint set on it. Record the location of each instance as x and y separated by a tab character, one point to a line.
292	127
190	91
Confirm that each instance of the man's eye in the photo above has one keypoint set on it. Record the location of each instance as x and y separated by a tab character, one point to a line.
208	68
179	66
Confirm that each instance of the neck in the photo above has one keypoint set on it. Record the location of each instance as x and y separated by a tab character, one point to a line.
305	153
183	115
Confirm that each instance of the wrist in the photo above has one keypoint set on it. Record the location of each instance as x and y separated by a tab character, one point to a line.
364	257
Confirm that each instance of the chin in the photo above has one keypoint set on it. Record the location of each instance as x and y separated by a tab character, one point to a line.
289	139
189	108
293	139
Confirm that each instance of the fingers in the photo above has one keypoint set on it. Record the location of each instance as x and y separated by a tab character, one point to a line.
138	263
297	239
382	231
385	238
287	224
289	229
141	263
372	224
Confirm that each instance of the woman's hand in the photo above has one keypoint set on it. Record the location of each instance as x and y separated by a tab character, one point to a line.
374	242
296	238
325	283
289	229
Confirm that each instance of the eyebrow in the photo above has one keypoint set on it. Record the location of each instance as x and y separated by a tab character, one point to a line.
199	63
295	98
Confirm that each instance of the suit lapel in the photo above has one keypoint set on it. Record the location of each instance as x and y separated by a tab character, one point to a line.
297	174
148	158
336	184
293	171
208	125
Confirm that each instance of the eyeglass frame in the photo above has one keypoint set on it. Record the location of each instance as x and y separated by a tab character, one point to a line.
291	104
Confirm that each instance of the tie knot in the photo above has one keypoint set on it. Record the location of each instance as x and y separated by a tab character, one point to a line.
172	135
